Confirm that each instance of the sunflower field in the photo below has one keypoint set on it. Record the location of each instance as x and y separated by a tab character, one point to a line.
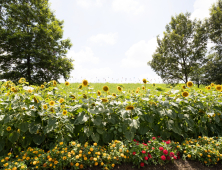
43	116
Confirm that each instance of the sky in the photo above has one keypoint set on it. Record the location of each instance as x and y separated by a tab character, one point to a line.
114	39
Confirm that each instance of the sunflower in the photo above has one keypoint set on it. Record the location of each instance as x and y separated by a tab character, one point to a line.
36	100
212	84
84	96
67	83
80	86
61	100
51	103
185	94
143	88
63	106
64	112
33	107
54	82
137	91
144	81
22	80
98	93
105	88
218	87
85	83
8	128
52	110
154	84
108	93
184	87
42	86
45	106
138	88
73	97
13	89
208	87
189	84
119	88
29	90
200	91
114	95
104	100
130	107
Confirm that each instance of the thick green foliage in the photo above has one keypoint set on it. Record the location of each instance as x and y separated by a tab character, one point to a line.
30	42
182	49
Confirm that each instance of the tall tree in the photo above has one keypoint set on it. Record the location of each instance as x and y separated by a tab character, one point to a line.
214	28
30	42
182	48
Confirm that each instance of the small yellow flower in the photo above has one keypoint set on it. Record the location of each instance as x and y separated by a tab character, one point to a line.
61	100
119	88
45	106
67	83
61	143
8	128
51	103
201	154
113	165
91	149
99	93
42	86
189	156
130	107
144	81
77	164
95	144
64	112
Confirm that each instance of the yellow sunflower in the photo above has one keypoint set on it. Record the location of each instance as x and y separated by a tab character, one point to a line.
212	84
119	88
144	81
130	107
61	100
84	96
185	94
54	82
52	110
138	88
218	87
73	97
22	80
13	89
35	100
42	86
67	83
154	84
8	128
184	87
64	112
98	93
85	83
143	88
114	95
45	106
80	86
108	93
51	103
189	84
105	88
29	90
104	100
208	87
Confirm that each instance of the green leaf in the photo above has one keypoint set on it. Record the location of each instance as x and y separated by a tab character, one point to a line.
88	131
134	123
100	131
170	113
129	135
143	130
38	139
97	121
2	143
52	121
23	126
95	137
26	141
69	127
107	137
33	128
14	136
81	118
2	117
149	118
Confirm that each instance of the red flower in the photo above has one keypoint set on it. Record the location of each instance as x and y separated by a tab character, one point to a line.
161	148
153	138
168	158
142	164
149	142
171	154
134	153
158	136
134	140
178	157
163	157
174	157
149	155
168	142
165	152
145	144
137	144
153	148
146	158
143	152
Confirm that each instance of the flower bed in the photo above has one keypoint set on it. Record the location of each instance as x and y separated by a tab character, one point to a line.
80	156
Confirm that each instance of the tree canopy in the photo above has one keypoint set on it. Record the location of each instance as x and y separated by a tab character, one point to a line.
30	42
181	49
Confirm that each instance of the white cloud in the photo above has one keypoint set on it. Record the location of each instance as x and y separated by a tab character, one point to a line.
101	39
139	54
201	8
89	3
128	6
84	55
